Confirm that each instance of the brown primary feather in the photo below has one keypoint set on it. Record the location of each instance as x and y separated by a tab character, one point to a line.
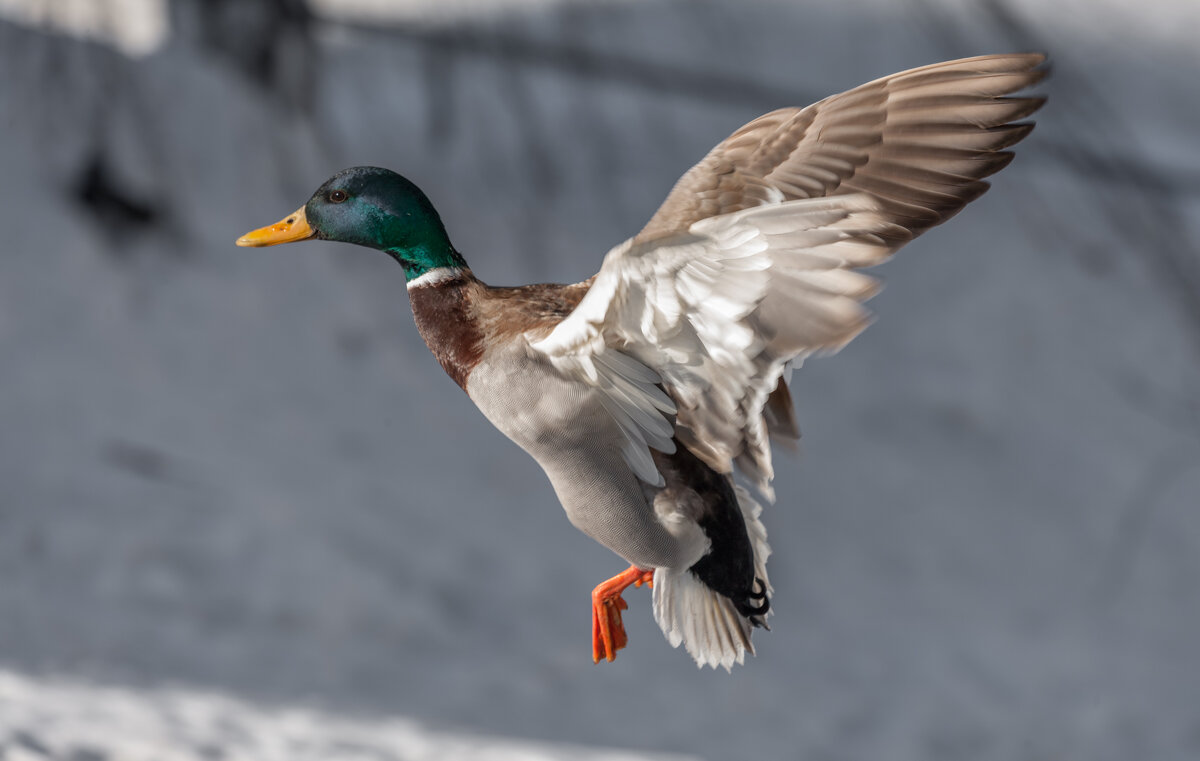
780	413
920	141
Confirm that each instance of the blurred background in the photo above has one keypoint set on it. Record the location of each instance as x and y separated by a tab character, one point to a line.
243	514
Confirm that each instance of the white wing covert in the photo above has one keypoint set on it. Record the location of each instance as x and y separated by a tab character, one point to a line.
630	393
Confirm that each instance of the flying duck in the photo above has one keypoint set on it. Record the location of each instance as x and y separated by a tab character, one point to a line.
650	392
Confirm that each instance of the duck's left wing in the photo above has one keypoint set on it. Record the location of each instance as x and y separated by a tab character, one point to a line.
713	315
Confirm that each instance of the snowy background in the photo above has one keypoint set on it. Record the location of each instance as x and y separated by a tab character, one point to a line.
235	486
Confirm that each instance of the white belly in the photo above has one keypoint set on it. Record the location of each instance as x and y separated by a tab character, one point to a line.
563	426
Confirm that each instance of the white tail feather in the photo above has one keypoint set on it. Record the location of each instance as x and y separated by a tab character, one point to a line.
704	622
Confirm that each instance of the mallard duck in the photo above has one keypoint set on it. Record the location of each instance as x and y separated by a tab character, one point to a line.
643	391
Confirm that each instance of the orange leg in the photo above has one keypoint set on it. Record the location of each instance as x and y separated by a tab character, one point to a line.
608	633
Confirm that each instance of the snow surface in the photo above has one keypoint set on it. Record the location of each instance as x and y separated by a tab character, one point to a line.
240	470
42	720
135	27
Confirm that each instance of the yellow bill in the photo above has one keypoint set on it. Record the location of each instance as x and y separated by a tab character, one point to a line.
291	228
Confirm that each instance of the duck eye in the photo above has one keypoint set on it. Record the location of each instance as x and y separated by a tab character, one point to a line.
337	196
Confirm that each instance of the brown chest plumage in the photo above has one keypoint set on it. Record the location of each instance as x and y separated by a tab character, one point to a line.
460	316
445	316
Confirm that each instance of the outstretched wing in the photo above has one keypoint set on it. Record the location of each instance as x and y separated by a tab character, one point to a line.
750	263
920	142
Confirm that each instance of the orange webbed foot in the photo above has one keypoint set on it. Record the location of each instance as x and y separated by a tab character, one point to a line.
608	633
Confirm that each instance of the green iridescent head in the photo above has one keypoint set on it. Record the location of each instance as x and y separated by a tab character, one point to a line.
371	207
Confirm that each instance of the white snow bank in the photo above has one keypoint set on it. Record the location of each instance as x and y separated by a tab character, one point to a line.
58	719
134	27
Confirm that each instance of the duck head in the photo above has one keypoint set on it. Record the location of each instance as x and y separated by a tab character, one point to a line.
372	207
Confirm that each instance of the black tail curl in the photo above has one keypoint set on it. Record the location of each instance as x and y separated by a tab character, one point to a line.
751	611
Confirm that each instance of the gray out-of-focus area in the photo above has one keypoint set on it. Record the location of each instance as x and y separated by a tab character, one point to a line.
244	515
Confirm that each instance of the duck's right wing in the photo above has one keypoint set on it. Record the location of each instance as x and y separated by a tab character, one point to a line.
751	262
